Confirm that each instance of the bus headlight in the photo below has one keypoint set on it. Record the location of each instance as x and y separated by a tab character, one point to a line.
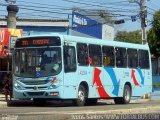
53	85
18	86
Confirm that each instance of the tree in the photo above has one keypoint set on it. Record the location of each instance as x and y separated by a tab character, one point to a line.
131	37
154	35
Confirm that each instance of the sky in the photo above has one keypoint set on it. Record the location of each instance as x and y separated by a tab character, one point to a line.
59	9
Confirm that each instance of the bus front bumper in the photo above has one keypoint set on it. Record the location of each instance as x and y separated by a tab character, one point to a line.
53	93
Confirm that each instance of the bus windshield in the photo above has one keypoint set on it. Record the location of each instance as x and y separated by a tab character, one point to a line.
37	62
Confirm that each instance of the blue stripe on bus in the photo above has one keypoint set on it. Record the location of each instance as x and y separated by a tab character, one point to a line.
115	82
140	73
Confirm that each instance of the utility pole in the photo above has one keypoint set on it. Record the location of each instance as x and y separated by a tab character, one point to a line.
143	16
11	22
12	11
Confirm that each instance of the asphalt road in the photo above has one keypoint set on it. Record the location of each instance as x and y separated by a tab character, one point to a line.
58	110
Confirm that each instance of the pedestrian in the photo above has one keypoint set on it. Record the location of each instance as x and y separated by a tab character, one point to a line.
7	86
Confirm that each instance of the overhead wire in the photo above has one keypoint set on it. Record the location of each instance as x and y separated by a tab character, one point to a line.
70	9
116	9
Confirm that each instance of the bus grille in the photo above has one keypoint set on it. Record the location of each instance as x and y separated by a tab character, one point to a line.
35	93
35	82
45	87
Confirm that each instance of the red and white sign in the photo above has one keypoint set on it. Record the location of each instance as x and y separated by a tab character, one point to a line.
5	35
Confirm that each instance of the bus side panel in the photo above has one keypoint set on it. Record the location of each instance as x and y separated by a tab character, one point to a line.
101	84
85	75
144	84
114	80
110	81
140	81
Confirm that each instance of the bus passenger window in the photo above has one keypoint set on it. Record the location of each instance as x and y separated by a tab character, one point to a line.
132	58
121	57
108	56
82	54
95	55
143	59
69	59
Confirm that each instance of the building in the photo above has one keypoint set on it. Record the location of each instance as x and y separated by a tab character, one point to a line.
92	24
37	26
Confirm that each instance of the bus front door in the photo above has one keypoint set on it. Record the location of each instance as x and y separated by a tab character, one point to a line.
70	72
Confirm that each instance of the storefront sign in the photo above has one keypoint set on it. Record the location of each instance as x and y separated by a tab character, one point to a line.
8	37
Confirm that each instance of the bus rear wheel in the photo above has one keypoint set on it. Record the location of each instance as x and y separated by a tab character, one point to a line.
39	102
126	96
82	95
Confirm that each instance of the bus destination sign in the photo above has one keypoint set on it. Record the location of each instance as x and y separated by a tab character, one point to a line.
33	42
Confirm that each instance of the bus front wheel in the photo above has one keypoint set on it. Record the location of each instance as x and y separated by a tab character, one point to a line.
126	96
82	95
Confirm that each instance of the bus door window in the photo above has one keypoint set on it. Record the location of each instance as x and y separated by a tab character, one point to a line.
95	55
69	59
121	57
108	56
82	54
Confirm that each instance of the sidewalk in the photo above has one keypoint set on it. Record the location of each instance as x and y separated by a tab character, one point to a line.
3	103
156	95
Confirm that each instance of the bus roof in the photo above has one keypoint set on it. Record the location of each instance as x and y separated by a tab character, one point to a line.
70	38
104	42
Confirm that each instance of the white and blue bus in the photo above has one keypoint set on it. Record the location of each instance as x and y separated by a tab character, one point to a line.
80	69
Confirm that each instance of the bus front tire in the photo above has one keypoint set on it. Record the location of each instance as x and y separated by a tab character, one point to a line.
126	96
82	96
39	102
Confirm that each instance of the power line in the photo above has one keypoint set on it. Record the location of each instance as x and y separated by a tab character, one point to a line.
120	9
58	12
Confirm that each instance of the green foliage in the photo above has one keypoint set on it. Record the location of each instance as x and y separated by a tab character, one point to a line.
131	37
154	35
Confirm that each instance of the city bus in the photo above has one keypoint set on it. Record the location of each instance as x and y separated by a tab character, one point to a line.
65	67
